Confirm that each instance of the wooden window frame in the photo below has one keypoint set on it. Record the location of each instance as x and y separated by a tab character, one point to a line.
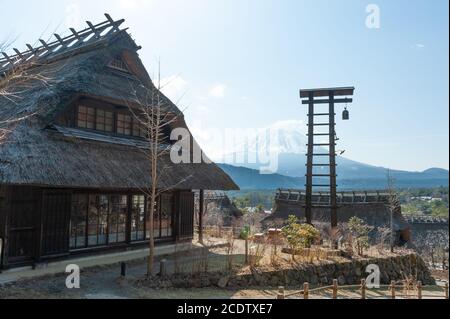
86	116
119	64
123	123
123	127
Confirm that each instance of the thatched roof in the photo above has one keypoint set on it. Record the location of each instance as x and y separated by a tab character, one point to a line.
38	152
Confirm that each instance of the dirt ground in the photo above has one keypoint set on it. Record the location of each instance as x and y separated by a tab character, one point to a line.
104	282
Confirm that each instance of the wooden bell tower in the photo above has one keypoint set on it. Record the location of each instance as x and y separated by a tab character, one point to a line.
322	159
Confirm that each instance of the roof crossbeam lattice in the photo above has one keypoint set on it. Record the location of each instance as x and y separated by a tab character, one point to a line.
62	44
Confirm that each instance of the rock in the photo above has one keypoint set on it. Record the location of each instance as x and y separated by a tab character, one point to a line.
314	280
274	281
223	282
341	280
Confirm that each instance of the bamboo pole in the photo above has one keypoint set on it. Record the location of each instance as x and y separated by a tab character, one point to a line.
335	288
306	290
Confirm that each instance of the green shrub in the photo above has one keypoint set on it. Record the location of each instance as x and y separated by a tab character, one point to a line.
360	233
299	235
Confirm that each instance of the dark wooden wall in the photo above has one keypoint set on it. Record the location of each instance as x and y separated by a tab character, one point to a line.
185	215
3	210
22	227
55	223
35	222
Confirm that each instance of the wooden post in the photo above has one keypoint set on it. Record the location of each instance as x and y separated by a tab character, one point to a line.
335	288
392	287
363	289
332	152
123	269
419	290
280	294
246	250
309	160
306	290
162	268
446	289
200	215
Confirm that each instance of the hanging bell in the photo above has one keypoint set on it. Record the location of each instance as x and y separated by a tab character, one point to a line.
345	114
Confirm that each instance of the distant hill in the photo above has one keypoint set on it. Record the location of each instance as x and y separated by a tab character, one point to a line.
248	178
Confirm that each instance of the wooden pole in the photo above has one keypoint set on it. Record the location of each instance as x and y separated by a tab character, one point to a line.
280	294
446	290
200	215
392	289
162	268
123	269
246	249
363	289
335	288
419	290
306	290
309	159
332	152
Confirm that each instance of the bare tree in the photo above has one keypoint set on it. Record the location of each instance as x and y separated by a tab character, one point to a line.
19	76
155	118
15	80
393	206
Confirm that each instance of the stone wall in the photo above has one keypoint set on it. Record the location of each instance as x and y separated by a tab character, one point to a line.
347	273
430	238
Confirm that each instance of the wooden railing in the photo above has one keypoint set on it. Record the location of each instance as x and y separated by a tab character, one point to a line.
418	290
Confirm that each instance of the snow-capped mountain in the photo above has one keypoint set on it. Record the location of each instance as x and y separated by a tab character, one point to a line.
281	149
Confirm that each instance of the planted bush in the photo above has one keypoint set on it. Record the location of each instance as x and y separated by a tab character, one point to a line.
299	235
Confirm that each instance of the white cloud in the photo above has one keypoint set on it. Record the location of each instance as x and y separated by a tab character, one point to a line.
174	87
217	91
420	45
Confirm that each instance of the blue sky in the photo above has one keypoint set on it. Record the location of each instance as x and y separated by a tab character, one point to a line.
238	64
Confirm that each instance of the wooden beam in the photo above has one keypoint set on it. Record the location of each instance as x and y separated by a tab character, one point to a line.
97	34
7	58
18	53
332	154
61	41
44	44
200	215
32	50
346	100
309	161
337	91
75	33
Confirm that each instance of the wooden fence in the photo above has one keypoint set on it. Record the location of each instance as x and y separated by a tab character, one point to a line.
393	288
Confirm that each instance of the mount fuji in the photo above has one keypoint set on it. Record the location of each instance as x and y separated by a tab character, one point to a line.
284	144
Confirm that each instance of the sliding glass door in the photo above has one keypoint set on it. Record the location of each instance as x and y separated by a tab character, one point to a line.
98	220
138	218
102	219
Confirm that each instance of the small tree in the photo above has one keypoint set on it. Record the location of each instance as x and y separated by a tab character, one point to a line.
153	114
299	235
360	233
393	206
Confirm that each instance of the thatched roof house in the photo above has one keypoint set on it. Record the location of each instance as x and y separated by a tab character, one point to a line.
75	161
